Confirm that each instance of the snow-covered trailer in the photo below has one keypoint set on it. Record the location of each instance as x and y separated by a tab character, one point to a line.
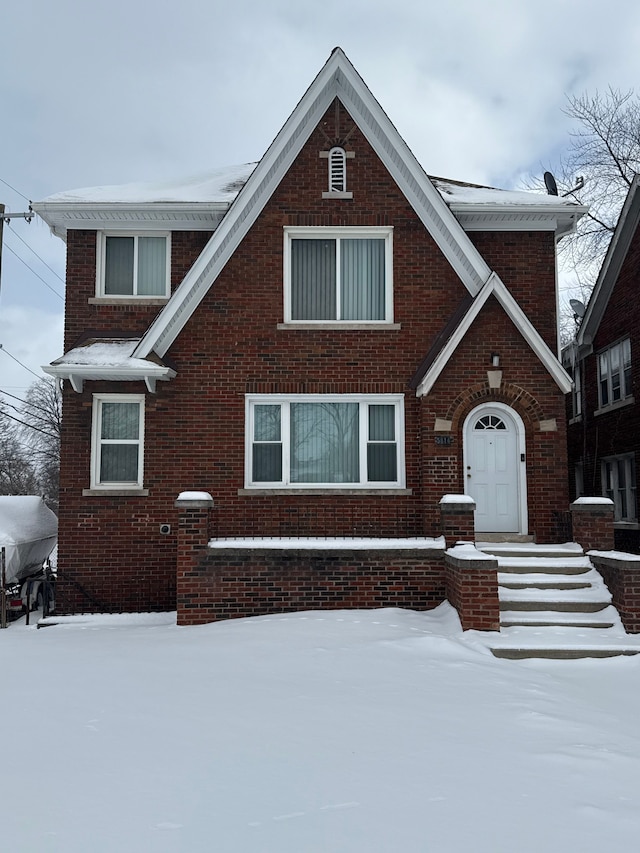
28	535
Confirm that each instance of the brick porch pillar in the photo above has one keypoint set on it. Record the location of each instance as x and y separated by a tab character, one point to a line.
472	587
621	573
592	520
457	519
194	509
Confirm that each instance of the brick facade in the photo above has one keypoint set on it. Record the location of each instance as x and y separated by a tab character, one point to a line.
599	434
112	555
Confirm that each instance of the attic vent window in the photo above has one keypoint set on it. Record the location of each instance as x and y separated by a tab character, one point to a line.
337	170
337	158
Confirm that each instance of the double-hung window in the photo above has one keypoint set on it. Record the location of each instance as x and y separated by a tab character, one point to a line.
342	441
133	265
614	373
619	484
117	441
338	275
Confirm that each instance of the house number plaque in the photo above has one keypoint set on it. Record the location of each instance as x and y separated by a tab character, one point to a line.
444	439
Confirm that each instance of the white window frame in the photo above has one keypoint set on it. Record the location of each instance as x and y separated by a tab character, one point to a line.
364	400
101	256
625	392
337	170
628	460
97	441
322	232
576	391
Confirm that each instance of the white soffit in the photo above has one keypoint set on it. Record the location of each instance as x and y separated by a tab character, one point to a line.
338	78
496	287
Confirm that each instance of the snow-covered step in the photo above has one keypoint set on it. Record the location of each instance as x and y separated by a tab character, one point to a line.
606	618
554	604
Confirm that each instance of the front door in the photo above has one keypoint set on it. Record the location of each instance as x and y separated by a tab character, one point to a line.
494	468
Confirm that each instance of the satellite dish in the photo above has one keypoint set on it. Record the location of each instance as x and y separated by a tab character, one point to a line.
577	307
550	184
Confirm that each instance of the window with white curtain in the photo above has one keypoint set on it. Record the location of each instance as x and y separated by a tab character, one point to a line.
342	441
133	265
618	476
614	373
338	275
117	441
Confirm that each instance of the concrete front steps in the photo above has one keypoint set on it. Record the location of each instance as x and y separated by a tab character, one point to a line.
554	604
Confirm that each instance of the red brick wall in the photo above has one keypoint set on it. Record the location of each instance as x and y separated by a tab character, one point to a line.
231	347
618	430
235	582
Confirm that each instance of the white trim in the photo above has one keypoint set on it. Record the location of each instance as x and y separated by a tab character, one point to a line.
342	232
96	441
495	286
364	400
338	78
101	243
521	447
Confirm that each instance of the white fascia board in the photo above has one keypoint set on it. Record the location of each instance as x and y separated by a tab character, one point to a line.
82	216
495	286
532	337
77	374
338	78
442	359
562	219
610	270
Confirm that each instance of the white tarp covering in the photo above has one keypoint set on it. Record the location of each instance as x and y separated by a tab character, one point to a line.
28	534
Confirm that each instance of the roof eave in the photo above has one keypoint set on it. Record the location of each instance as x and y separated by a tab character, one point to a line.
77	374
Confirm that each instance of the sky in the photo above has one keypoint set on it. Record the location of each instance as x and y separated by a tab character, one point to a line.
336	731
101	94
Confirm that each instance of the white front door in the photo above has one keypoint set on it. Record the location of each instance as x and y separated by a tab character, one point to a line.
494	469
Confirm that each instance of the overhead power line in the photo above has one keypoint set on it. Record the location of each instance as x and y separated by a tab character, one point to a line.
17	360
42	260
7	184
25	402
37	275
24	423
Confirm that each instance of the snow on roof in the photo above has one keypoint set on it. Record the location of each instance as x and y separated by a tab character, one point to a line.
454	192
220	185
223	185
101	353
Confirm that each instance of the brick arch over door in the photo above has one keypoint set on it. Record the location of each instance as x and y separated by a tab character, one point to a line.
511	395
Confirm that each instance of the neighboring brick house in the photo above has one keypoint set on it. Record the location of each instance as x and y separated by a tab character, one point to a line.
604	417
327	342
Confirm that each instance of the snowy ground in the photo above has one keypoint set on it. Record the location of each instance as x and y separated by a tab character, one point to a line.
384	731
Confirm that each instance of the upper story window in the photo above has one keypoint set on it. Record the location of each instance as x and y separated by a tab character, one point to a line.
343	441
117	441
619	484
338	275
576	391
337	170
614	373
133	265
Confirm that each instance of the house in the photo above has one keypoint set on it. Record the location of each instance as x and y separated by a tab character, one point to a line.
326	343
604	418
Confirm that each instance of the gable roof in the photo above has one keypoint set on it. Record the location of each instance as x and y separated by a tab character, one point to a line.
433	366
337	79
610	270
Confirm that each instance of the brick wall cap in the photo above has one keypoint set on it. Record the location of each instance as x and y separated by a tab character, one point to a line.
186	500
592	504
331	543
465	555
457	503
616	560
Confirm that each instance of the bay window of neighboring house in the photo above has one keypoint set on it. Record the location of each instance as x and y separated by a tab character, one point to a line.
117	441
335	442
619	484
133	265
338	275
614	374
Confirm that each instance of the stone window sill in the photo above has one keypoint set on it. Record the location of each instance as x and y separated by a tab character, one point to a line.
611	407
115	493
339	327
128	300
324	491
